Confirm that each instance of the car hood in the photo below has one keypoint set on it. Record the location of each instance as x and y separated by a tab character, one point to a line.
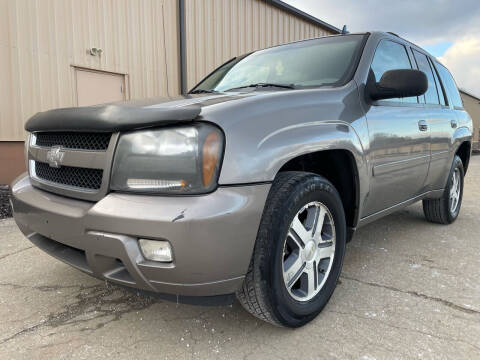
128	115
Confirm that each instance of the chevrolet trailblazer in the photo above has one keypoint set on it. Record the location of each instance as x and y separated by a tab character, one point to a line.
252	183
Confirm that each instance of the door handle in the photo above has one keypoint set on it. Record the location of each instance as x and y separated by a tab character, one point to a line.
422	125
453	123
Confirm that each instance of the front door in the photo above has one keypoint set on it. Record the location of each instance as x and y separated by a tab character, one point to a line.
399	138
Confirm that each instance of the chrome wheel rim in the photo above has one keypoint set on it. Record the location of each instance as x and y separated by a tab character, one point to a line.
455	191
308	251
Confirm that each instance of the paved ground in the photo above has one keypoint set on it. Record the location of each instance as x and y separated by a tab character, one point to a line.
5	210
409	289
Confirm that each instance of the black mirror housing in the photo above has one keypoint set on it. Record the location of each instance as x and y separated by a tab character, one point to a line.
397	84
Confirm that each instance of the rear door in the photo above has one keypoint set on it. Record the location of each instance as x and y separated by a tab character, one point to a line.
439	118
455	117
399	141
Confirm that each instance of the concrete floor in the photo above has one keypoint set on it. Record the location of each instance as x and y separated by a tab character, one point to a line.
409	289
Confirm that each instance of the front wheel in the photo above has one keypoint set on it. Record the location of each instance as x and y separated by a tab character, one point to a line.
299	251
446	209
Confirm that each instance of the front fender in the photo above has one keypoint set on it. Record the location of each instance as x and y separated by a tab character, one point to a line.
292	141
261	161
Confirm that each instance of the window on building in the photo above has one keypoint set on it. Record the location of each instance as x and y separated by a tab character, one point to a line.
431	95
391	55
450	86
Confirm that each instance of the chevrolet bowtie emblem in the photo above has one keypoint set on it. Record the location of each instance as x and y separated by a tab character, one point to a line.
55	156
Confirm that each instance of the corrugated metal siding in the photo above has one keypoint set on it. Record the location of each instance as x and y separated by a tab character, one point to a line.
217	30
40	40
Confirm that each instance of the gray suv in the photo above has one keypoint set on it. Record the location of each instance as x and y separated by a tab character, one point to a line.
253	183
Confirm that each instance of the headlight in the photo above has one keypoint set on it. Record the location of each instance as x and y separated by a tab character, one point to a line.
174	160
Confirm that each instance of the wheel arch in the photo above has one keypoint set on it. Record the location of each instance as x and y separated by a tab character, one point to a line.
331	165
464	151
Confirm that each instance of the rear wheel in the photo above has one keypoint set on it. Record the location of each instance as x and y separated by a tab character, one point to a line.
299	251
446	209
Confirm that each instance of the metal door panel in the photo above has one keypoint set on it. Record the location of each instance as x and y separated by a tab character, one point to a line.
399	155
441	131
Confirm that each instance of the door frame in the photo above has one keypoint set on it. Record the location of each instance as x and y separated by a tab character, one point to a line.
386	168
74	68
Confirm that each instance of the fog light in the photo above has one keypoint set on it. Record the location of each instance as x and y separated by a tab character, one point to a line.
156	250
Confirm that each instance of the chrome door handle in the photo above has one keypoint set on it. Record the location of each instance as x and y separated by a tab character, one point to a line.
453	123
422	125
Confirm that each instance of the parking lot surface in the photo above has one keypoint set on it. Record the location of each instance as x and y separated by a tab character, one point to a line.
409	289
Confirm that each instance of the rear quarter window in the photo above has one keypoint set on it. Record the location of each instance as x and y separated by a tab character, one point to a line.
450	86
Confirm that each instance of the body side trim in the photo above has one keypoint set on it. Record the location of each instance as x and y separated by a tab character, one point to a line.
398	165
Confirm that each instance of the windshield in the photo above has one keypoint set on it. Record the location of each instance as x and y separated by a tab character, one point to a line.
319	62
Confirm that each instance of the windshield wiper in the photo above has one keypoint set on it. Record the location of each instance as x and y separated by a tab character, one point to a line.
258	85
203	91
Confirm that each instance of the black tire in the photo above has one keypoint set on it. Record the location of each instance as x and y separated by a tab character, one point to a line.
264	293
439	210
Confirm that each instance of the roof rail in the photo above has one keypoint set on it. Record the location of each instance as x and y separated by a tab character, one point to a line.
392	33
411	43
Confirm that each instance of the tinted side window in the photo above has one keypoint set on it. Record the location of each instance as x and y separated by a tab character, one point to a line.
431	96
440	88
391	56
450	86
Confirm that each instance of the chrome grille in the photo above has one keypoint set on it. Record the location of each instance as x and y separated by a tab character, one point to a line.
74	140
72	164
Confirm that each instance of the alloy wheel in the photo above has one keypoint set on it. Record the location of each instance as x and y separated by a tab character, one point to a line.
455	190
308	251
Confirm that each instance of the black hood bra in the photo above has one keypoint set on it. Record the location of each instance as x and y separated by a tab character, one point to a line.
110	118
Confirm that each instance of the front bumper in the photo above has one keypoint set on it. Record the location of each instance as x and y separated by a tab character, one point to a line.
212	236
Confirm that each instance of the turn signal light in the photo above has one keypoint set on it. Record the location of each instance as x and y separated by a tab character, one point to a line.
210	157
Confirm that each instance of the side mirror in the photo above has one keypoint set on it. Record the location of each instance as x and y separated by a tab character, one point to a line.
397	84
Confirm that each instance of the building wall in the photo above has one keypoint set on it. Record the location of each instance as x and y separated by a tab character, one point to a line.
472	105
217	30
12	160
41	41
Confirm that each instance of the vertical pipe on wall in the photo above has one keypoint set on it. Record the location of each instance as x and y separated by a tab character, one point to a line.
182	45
